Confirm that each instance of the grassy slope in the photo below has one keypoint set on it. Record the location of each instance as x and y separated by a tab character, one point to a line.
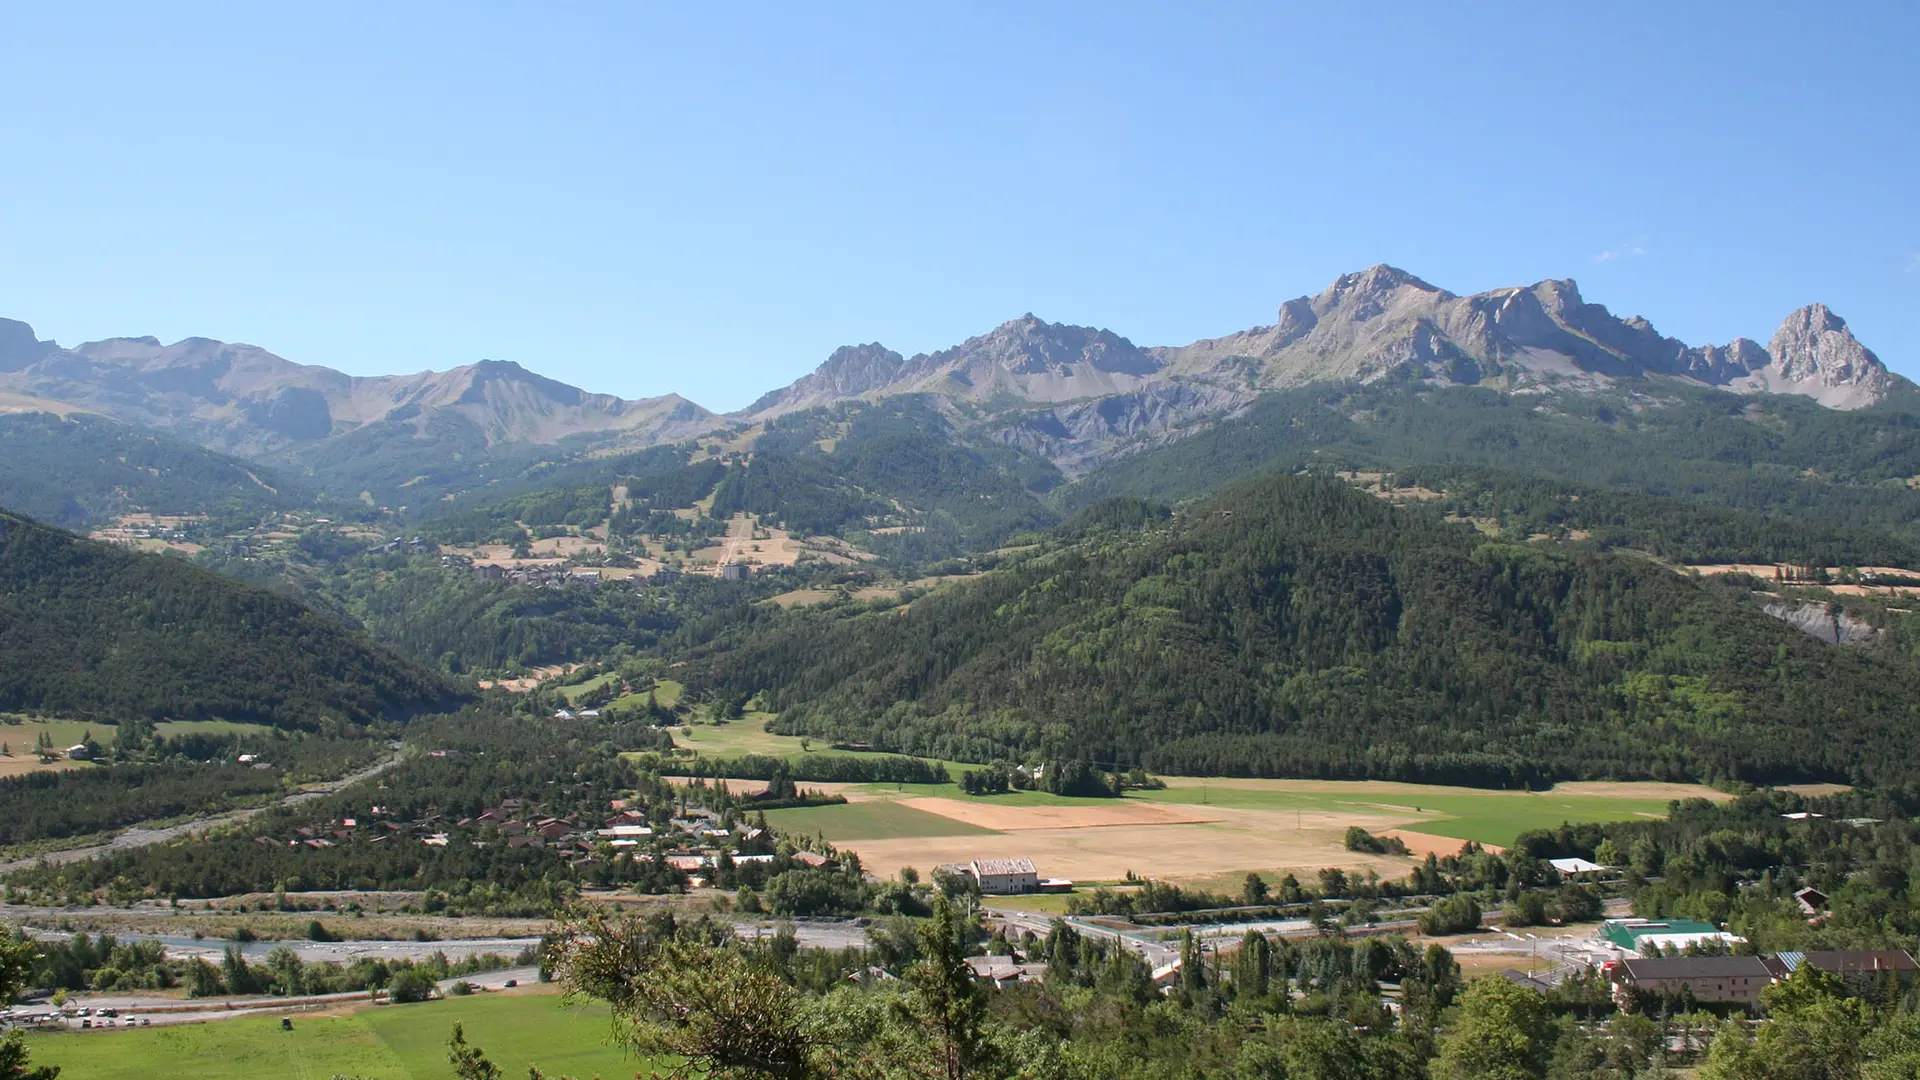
391	1043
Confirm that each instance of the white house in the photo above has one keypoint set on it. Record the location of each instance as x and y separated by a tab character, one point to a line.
1005	875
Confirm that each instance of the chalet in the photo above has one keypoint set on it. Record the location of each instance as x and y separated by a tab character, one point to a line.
1001	876
528	840
1735	980
811	858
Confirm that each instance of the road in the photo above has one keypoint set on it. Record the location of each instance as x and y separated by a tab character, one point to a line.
1154	953
135	836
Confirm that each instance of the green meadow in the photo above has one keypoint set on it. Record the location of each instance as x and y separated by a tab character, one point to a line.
404	1042
1488	817
882	820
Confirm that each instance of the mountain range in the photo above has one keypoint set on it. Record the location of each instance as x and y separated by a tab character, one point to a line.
1077	396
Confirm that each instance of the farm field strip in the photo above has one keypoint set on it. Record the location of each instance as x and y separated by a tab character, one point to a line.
405	1042
1194	828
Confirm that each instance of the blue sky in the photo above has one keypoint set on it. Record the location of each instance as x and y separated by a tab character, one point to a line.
709	198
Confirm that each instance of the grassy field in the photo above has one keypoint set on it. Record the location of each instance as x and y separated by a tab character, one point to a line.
20	733
1198	830
1489	817
665	691
406	1042
574	693
868	821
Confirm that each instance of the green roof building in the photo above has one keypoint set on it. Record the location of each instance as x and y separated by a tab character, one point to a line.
1627	933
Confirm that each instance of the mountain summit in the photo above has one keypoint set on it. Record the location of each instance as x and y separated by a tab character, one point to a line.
1022	360
1376	323
1384	321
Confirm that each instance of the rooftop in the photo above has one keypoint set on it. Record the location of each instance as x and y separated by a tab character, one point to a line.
1000	867
1698	967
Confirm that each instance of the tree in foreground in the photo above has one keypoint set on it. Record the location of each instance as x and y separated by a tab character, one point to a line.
1502	1032
16	966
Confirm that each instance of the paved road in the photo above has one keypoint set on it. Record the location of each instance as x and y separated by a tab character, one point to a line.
1154	953
314	952
810	933
137	837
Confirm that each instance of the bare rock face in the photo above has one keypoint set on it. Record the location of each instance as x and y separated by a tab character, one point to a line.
1023	359
1813	353
1831	625
852	371
1384	321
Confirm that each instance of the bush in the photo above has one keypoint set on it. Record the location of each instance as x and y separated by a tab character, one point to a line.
1359	839
1453	915
463	988
813	892
410	986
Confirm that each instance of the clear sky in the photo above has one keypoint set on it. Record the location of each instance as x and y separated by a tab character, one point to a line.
708	198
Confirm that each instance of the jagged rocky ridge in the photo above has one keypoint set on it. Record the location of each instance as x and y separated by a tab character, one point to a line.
1073	393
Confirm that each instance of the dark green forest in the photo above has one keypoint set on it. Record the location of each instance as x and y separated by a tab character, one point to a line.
1295	627
85	470
1780	457
92	631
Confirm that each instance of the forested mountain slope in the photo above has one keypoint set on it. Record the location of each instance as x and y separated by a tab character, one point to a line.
79	470
1296	627
1778	456
90	630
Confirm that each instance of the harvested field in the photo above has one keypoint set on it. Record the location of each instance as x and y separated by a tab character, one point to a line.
1422	844
1639	789
527	682
1239	842
804	597
1095	814
1817	790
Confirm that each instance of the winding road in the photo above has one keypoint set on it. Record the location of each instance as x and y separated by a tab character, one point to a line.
138	836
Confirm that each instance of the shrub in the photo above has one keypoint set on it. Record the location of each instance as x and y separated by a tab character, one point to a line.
410	986
1453	915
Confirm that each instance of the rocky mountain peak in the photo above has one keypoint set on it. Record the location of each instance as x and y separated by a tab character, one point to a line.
1030	345
19	347
1813	342
1376	279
